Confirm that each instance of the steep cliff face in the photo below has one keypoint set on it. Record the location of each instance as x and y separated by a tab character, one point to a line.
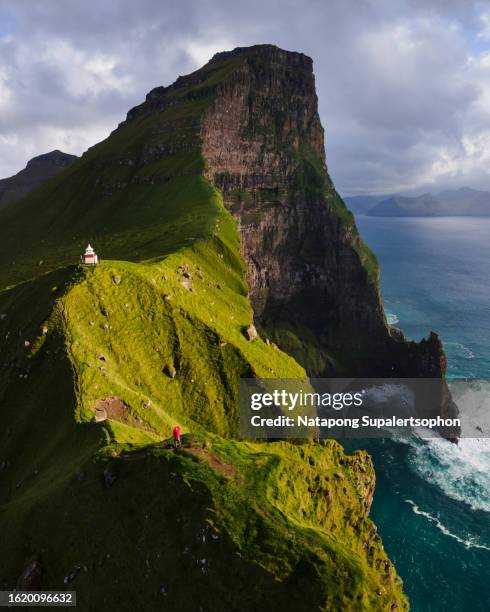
313	283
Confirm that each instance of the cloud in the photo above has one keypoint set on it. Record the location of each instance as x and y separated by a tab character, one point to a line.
404	85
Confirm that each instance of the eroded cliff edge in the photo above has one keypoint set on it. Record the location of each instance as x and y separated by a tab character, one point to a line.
314	285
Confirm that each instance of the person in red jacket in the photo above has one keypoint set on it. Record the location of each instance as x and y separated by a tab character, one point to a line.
176	434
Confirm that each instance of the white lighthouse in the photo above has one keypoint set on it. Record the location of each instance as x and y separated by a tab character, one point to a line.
90	256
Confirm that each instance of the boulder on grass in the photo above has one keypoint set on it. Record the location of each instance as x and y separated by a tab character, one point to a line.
170	371
100	415
251	333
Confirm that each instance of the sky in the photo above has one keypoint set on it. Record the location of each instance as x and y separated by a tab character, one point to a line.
403	85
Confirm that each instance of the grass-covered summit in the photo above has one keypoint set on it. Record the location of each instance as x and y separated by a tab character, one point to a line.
98	364
138	195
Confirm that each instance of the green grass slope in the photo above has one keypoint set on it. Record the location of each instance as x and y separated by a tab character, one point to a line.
108	508
152	337
139	194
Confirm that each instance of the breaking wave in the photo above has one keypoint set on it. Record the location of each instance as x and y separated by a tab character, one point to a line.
461	471
468	542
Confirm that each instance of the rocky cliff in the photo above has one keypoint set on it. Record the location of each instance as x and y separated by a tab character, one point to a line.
98	364
38	170
312	280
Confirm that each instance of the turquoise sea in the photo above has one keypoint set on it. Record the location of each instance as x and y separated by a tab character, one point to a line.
432	500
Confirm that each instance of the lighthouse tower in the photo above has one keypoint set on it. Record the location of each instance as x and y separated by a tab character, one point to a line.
90	256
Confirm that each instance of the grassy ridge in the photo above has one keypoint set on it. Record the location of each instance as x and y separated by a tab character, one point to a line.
138	194
124	338
107	508
295	515
208	525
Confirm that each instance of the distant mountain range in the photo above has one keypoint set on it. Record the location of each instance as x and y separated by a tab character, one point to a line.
38	170
457	202
361	205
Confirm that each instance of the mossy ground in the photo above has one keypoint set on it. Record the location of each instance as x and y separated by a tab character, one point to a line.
128	522
228	524
239	533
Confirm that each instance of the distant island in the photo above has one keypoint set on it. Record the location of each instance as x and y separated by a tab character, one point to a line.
463	202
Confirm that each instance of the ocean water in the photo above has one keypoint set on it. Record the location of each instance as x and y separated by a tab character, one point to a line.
432	499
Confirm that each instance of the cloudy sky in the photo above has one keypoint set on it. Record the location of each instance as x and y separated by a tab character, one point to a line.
404	85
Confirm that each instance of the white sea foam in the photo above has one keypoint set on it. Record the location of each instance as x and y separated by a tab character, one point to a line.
473	399
469	542
389	392
461	471
392	318
463	351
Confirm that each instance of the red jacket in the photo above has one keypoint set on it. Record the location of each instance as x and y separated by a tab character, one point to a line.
176	432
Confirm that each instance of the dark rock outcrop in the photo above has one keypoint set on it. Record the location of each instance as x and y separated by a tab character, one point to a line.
309	273
38	170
